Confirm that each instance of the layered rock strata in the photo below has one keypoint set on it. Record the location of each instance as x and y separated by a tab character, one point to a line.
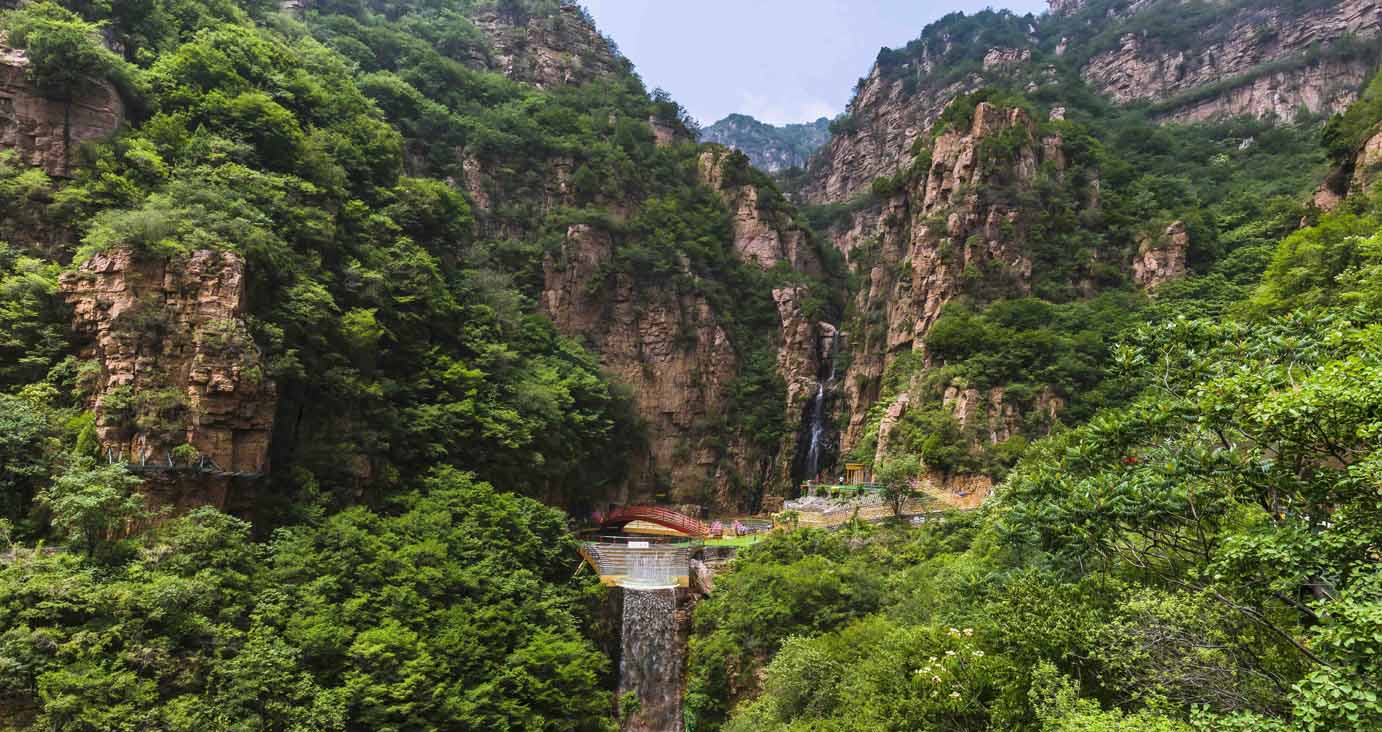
45	132
176	383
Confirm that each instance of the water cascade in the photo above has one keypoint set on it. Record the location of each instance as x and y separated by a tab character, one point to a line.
650	660
816	441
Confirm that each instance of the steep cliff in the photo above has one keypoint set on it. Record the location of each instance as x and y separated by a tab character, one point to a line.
176	381
951	229
1183	62
685	354
46	132
546	50
1248	58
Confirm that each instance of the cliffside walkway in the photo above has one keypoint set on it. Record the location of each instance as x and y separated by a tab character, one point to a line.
664	517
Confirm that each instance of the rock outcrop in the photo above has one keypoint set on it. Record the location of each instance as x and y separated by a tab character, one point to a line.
939	226
177	383
884	119
45	132
1258	61
1161	259
1366	166
673	354
673	351
563	48
763	237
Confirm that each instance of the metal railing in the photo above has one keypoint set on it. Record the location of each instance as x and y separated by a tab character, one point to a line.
664	517
640	565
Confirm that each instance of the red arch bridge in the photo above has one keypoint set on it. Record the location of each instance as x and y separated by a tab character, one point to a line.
645	563
664	517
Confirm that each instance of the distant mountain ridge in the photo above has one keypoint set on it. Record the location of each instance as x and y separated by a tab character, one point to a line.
772	148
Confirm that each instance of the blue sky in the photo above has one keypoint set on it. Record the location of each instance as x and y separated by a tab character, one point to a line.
778	60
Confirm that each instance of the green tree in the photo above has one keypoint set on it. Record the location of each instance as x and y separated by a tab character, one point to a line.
66	54
898	476
93	504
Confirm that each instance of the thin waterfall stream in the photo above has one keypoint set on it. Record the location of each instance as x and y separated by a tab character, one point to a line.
818	428
650	660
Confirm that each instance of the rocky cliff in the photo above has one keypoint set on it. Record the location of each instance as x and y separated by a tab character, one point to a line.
561	48
44	132
770	148
1249	58
1254	59
940	231
672	348
175	380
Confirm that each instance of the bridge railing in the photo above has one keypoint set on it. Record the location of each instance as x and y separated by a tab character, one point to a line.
658	515
645	567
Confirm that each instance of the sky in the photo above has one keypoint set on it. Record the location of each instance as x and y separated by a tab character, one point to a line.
778	60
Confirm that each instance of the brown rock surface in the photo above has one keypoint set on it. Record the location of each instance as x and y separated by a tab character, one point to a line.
929	234
1162	259
564	48
1242	46
33	127
176	362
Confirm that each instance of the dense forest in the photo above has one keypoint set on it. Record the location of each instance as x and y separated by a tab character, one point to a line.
1193	544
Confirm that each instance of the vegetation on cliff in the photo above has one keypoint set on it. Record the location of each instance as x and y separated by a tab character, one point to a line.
1202	558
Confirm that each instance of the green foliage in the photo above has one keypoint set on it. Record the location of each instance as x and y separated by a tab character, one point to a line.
65	52
93	504
455	612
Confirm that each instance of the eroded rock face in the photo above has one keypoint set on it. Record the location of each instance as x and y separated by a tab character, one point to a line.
1162	259
673	354
176	363
886	117
765	238
1241	46
33	127
929	234
1365	167
564	48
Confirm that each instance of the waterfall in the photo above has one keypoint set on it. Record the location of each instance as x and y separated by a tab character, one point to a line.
813	450
815	441
650	660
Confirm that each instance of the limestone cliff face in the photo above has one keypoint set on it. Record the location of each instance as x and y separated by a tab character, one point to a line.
674	353
560	49
671	351
885	117
942	224
1366	166
1161	259
177	384
1264	49
34	127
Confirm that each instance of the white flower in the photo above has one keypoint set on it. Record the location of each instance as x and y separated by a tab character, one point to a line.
934	659
936	679
978	654
954	695
949	653
969	631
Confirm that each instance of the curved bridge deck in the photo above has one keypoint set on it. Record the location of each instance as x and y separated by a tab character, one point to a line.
664	517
